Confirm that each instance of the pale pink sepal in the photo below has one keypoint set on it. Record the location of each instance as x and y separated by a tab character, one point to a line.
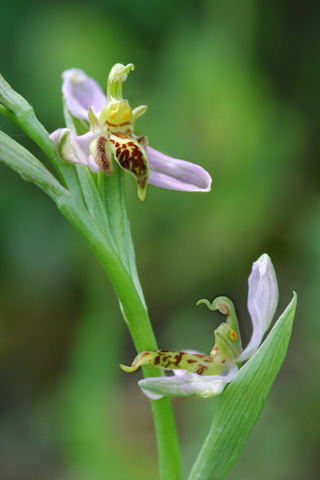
262	302
73	148
174	174
81	92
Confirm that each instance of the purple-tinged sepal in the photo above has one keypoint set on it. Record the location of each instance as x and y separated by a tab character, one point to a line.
81	92
262	301
174	174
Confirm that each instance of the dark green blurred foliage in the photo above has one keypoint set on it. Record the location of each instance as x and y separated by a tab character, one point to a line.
233	86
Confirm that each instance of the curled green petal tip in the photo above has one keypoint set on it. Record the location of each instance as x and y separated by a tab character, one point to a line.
223	304
120	71
142	358
125	368
117	76
205	301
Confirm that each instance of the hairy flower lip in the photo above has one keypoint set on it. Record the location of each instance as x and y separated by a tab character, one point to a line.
81	93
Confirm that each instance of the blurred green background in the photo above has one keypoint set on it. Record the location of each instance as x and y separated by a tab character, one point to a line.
233	86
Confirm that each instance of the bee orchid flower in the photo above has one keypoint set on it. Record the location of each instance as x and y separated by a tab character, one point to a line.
207	375
111	135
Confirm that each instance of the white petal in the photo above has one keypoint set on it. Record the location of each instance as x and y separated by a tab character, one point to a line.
262	302
189	385
174	174
81	92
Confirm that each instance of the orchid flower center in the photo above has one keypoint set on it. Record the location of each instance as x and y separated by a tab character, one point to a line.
116	117
114	132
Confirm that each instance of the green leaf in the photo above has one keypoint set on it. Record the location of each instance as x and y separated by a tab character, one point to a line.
241	403
29	168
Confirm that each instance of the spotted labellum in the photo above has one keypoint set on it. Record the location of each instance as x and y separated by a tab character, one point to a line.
196	374
111	136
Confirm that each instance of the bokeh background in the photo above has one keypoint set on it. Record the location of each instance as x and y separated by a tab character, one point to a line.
233	86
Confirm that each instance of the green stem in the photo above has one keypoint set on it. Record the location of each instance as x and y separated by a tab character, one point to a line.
140	328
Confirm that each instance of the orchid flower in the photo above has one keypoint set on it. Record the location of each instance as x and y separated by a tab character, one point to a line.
111	136
207	375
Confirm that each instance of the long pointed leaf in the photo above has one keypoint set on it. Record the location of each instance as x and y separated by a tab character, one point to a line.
241	403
